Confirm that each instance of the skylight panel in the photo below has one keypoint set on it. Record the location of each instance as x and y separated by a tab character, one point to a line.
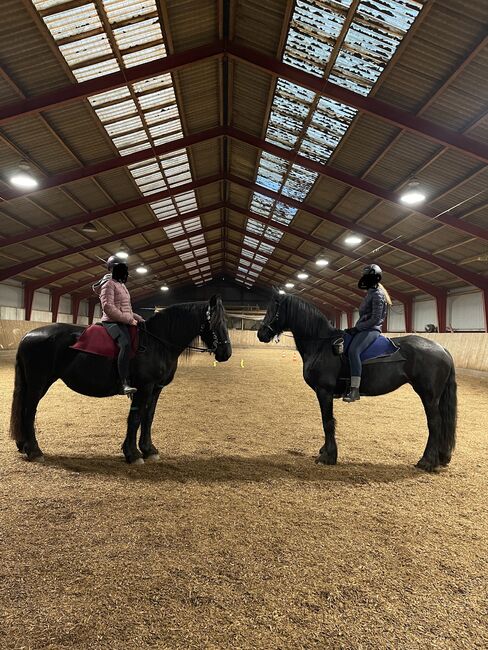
136	117
144	56
109	97
372	38
91	47
73	22
123	10
136	34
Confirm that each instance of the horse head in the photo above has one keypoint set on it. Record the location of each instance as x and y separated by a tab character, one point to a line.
274	320
214	329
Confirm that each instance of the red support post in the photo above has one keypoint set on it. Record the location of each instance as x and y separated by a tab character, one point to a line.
75	306
349	318
408	315
337	316
91	309
28	300
485	304
55	298
441	302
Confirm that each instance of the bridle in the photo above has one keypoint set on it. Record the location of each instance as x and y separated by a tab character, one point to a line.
275	317
337	341
215	339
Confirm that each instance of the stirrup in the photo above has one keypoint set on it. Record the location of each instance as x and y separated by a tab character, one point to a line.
128	390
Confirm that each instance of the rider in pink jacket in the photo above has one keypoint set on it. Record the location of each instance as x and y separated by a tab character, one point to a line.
118	314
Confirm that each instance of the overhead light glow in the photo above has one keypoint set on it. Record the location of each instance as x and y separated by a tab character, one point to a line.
413	194
281	292
89	227
321	262
302	275
289	285
23	178
164	288
353	240
141	269
122	254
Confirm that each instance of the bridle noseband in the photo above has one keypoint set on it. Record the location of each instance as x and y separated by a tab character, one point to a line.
215	339
275	317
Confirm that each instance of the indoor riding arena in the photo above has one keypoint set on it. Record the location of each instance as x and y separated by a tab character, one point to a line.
243	337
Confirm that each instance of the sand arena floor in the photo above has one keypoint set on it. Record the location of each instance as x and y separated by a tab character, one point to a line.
236	538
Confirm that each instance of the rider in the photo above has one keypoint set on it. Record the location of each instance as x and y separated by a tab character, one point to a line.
372	313
118	314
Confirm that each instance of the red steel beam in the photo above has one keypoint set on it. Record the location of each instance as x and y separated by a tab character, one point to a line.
25	266
346	300
402	297
331	298
353	181
370	105
76	92
112	209
49	279
118	161
246	138
468	276
69	288
424	286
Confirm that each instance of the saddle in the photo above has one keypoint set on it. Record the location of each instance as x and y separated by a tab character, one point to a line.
96	340
382	349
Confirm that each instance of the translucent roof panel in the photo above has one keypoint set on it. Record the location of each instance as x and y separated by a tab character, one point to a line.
315	125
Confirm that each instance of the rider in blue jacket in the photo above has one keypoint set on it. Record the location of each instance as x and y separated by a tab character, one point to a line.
372	313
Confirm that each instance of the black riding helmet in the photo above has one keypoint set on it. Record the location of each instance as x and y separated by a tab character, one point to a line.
119	268
371	277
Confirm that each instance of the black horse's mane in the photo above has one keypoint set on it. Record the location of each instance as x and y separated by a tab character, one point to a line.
170	325
307	319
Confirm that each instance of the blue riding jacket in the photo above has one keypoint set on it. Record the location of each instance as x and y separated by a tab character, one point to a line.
372	311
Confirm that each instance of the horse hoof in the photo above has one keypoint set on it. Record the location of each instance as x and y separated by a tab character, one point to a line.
323	459
427	465
138	461
36	459
152	459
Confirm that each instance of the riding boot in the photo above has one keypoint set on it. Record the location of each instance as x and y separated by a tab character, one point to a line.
353	392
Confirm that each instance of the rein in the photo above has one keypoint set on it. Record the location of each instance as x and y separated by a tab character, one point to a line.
337	339
216	341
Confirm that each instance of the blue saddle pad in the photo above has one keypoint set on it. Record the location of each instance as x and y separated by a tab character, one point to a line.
382	347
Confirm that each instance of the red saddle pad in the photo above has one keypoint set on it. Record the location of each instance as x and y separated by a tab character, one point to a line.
96	340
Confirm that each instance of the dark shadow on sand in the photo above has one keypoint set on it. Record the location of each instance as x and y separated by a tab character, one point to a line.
221	469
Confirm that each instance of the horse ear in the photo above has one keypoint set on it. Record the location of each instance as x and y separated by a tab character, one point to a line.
215	300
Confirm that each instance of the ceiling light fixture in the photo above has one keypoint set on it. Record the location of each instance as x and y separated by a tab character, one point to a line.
89	227
281	292
142	270
302	275
122	254
413	193
164	288
321	262
23	177
289	285
352	240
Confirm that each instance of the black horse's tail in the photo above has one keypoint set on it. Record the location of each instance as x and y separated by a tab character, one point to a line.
16	419
448	411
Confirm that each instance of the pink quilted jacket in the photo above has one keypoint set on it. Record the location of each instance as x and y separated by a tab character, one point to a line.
115	300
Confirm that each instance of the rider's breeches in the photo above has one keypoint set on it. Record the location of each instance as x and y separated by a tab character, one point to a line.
359	343
120	334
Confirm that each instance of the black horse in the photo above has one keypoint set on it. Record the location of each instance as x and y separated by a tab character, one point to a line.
422	363
45	355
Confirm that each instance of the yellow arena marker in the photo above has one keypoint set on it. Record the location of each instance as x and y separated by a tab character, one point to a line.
242	363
